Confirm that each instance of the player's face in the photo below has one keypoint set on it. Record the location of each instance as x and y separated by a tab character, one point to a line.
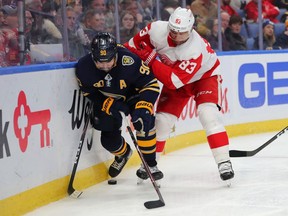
178	37
105	66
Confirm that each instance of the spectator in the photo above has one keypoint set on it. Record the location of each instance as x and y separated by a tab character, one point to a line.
28	22
128	26
97	5
100	5
109	16
225	17
1	18
170	5
51	7
268	37
35	7
94	22
165	15
76	48
200	26
269	11
9	37
145	8
51	34
227	7
281	4
284	17
206	9
2	49
213	37
205	31
28	27
232	34
131	5
282	39
78	8
239	4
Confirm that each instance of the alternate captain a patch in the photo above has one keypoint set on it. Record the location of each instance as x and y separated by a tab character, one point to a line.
127	60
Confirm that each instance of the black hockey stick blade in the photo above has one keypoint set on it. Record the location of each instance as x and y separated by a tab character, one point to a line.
239	153
154	204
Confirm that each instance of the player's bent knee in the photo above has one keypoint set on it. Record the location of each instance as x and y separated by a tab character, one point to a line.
210	118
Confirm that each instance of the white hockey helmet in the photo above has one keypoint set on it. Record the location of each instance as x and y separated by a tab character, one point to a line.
181	20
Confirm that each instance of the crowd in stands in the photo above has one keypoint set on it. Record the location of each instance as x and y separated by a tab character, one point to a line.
46	23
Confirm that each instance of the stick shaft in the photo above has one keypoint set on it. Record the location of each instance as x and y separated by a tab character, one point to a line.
79	150
240	153
161	200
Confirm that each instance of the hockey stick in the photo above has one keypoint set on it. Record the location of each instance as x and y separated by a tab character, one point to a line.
71	191
90	142
148	204
239	153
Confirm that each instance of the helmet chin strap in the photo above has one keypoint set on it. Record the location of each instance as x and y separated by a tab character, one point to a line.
181	41
107	69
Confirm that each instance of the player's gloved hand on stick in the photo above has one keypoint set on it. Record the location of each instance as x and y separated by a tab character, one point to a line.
146	53
112	107
142	117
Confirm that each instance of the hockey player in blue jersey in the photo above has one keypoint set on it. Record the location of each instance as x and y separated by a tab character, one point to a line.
117	80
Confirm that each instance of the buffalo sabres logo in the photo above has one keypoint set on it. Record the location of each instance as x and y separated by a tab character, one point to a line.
127	60
108	79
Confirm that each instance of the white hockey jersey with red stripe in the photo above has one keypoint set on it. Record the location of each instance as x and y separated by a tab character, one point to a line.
182	64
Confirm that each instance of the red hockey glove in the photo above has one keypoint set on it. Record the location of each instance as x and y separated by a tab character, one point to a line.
147	54
142	117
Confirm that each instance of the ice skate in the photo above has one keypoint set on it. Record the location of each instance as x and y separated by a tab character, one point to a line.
226	172
118	164
143	175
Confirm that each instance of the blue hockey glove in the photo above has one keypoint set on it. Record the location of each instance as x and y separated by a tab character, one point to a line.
112	107
142	117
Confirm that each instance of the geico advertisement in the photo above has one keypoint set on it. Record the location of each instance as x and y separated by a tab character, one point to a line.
254	88
41	119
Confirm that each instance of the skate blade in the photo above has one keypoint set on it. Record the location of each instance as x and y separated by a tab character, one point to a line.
140	181
228	183
158	183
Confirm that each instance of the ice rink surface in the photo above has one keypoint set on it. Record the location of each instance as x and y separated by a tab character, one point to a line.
192	186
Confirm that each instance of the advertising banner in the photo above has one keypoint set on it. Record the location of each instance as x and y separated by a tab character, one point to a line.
42	114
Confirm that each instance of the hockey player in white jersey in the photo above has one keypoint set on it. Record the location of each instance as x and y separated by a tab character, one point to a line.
188	67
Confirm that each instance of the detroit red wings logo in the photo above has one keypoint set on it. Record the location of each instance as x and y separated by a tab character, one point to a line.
178	21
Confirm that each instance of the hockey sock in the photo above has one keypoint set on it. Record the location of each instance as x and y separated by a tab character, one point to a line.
160	145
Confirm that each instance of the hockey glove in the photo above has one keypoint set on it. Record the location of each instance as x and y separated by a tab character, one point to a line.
142	117
112	107
147	54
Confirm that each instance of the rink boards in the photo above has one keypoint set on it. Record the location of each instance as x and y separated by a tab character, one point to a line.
42	116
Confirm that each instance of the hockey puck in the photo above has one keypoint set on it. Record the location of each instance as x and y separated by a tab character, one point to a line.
112	181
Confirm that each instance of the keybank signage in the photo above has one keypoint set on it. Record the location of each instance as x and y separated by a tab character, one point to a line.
260	84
